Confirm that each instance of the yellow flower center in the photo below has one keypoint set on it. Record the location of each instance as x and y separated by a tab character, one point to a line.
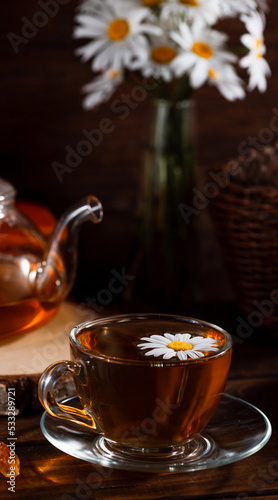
151	3
118	30
177	345
163	54
259	43
202	50
191	3
212	73
113	73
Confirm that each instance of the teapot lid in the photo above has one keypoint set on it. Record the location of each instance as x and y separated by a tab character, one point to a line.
7	191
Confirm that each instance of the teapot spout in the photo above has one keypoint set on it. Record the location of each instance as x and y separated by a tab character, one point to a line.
56	273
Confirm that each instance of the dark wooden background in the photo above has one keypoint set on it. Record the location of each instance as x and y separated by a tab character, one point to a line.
41	114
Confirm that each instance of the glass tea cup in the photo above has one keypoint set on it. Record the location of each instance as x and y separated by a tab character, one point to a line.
147	384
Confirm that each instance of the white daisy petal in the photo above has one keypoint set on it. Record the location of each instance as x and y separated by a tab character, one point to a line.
92	100
176	37
147	345
186	33
153	344
202	340
150	29
247	40
182	355
101	88
204	347
169	336
90	49
183	63
199	74
185	337
159	338
192	354
199	354
198	344
138	15
155	352
96	25
169	354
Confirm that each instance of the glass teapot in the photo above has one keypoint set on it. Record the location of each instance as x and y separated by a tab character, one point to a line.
37	274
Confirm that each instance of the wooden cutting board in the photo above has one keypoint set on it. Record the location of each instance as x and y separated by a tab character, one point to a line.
24	357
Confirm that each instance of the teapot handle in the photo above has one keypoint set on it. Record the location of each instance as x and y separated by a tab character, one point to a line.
46	392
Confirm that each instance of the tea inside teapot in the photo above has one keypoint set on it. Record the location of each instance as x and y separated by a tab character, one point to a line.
37	274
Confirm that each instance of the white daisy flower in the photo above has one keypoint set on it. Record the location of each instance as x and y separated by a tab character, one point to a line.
162	54
225	79
255	63
118	33
206	11
101	88
255	25
203	49
181	345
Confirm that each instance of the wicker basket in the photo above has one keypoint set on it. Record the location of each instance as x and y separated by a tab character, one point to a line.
245	214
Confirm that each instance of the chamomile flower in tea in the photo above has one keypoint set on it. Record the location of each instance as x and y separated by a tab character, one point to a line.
182	345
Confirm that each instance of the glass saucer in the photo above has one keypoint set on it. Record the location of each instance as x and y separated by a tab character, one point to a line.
236	431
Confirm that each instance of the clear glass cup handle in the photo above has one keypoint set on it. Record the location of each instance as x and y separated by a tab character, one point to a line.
47	398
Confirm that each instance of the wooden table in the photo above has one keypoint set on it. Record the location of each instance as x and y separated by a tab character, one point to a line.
47	473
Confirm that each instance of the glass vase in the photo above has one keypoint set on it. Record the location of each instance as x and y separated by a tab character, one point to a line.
165	253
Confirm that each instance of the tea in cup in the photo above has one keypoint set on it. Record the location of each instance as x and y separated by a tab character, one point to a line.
148	384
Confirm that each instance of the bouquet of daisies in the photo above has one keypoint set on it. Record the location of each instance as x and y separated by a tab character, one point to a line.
173	42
